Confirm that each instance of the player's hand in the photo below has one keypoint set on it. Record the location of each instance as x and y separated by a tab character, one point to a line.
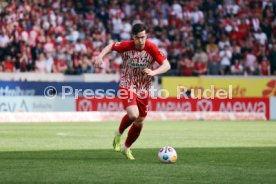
98	61
149	72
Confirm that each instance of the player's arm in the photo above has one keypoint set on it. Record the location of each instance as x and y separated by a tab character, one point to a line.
163	68
161	59
99	60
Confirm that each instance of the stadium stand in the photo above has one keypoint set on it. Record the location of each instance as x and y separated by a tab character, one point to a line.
200	37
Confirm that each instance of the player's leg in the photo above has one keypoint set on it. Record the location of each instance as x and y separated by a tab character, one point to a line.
136	128
137	125
132	136
134	131
129	102
128	99
128	119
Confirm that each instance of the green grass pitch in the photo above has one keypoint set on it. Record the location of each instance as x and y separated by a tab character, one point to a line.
208	152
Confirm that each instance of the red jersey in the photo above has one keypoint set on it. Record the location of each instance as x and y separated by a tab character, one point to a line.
200	68
264	67
8	66
135	61
187	67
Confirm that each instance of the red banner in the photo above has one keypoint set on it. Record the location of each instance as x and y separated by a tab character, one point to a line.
260	105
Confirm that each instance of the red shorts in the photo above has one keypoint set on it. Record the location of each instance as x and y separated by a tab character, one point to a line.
130	98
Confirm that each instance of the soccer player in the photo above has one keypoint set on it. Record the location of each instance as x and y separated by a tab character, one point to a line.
138	57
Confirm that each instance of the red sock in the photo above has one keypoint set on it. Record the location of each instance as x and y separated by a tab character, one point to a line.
133	134
126	122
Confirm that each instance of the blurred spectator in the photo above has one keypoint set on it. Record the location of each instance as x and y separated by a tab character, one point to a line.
40	64
262	53
212	47
200	67
264	67
272	59
224	41
237	68
8	64
4	39
260	37
225	60
236	55
125	30
200	55
117	26
85	64
251	65
117	63
49	61
214	65
266	28
186	66
60	65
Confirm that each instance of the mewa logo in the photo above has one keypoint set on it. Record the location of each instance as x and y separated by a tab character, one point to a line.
271	89
85	105
240	106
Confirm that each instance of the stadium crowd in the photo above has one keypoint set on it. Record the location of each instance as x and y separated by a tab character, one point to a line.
199	37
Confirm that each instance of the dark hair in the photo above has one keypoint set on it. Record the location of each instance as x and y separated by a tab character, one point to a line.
137	28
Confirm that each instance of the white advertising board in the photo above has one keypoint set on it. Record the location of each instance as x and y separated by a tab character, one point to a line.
272	108
36	104
93	116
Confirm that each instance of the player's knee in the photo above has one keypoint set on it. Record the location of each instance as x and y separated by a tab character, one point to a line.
133	116
138	124
139	121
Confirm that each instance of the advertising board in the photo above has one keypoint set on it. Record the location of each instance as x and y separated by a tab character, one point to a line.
254	105
36	104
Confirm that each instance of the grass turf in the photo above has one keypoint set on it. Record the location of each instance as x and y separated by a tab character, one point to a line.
208	152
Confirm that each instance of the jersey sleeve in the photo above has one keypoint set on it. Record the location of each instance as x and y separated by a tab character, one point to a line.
158	56
120	46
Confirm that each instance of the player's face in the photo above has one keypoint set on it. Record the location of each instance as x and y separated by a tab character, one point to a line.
140	39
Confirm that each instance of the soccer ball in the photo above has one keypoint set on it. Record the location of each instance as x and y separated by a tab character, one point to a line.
167	155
